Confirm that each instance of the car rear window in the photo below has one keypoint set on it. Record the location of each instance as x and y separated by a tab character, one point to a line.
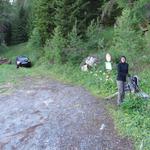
23	59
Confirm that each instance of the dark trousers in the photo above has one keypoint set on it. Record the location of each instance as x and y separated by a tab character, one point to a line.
121	91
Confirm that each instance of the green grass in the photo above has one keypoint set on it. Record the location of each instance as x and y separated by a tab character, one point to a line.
134	122
9	73
132	119
22	49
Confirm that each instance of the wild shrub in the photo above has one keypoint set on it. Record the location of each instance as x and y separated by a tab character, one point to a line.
35	46
94	38
134	103
54	47
74	50
35	39
133	120
127	41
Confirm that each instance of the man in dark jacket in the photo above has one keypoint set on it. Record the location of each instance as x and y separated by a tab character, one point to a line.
122	69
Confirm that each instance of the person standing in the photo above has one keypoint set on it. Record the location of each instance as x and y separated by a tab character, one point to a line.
122	72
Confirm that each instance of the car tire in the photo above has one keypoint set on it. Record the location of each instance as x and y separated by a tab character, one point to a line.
17	66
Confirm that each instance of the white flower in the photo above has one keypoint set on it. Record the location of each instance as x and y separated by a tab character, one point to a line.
95	74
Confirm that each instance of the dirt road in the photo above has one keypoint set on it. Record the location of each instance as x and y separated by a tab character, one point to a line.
43	114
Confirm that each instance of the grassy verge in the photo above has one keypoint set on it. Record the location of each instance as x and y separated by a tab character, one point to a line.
132	120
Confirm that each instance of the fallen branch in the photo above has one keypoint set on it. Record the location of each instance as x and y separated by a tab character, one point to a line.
112	96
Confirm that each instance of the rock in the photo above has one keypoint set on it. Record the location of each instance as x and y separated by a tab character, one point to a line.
84	68
89	62
4	61
102	127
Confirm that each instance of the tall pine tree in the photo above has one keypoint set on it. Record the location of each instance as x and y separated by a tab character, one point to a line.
19	26
43	14
69	11
5	21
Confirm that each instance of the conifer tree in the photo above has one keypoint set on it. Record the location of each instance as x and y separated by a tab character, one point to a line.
5	21
19	27
43	18
70	11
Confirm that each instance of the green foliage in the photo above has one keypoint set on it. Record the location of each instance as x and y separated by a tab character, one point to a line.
19	27
20	21
3	48
110	11
6	10
138	9
93	36
140	12
127	41
35	39
62	16
73	39
147	39
134	104
5	21
70	11
74	51
54	47
35	45
25	15
43	15
127	3
133	120
108	34
27	6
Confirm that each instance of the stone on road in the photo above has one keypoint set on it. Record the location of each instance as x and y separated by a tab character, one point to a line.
43	114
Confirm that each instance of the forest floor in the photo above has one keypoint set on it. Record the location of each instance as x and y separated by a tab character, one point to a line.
45	114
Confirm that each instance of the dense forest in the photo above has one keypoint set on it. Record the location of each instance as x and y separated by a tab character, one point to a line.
21	17
77	26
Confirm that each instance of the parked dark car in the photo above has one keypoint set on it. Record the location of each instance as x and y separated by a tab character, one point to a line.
23	61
